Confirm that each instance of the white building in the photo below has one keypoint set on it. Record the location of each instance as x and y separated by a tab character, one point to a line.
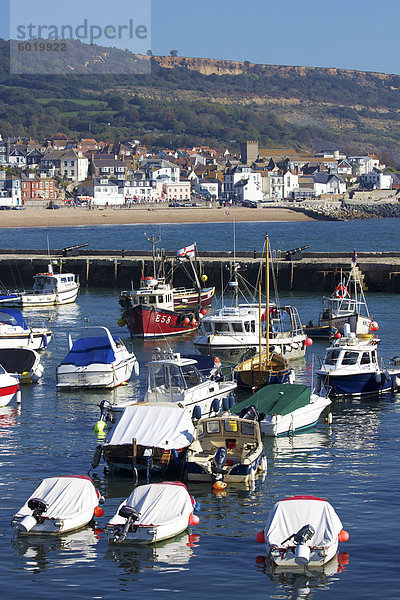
176	191
207	187
140	190
376	180
326	183
241	183
105	193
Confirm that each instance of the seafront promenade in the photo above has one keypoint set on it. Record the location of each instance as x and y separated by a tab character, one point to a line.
313	271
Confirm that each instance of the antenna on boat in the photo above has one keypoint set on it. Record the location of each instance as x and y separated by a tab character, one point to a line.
153	241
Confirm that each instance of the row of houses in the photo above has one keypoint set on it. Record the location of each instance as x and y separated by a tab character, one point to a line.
124	173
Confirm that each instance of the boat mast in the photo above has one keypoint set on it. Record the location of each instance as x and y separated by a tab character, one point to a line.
267	297
153	240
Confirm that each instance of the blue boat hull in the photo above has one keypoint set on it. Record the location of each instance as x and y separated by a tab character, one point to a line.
359	384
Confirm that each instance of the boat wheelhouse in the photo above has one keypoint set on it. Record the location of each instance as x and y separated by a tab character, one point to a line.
351	367
15	332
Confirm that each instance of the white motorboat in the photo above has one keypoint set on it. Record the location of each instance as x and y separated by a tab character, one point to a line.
96	360
9	386
302	531
284	408
58	505
48	289
227	449
177	379
350	367
149	439
22	363
152	513
15	332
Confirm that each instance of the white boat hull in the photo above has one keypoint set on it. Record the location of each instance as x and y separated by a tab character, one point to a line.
32	340
33	300
302	418
151	534
237	349
285	557
8	388
95	375
56	526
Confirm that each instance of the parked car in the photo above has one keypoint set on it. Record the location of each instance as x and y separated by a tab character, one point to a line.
51	205
174	204
249	204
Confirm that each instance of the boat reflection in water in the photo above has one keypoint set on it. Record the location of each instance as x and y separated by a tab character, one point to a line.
168	556
300	583
47	551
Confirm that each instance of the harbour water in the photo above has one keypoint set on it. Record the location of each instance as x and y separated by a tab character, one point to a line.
353	463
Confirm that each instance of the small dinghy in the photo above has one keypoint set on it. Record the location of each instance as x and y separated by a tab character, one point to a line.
153	512
22	363
227	449
284	408
8	387
96	360
16	333
302	531
58	505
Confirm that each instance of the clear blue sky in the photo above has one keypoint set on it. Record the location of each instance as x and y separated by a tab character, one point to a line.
354	34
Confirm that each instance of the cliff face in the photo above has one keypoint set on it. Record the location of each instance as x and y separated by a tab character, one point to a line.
211	66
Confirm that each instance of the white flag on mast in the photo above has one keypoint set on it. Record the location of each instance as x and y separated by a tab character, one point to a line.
187	252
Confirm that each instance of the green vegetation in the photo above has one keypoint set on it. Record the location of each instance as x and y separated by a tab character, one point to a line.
279	106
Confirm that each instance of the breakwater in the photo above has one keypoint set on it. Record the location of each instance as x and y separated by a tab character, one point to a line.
310	272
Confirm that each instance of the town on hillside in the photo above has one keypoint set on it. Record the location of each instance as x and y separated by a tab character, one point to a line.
62	171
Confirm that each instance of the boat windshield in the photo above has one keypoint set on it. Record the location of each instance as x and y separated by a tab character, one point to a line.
331	357
350	358
192	376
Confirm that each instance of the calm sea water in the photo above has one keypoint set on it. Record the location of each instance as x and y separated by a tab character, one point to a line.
353	463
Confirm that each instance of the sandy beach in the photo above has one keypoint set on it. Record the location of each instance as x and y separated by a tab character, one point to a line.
80	216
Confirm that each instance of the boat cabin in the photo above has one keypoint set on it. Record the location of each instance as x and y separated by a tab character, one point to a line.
168	380
153	293
235	434
240	320
50	283
347	357
339	307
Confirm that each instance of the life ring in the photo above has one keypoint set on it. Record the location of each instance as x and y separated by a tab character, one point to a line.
341	291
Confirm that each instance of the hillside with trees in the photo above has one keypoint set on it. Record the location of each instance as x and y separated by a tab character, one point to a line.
190	101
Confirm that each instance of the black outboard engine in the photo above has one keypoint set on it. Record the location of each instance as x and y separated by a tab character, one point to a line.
105	407
38	507
250	412
304	534
131	515
220	459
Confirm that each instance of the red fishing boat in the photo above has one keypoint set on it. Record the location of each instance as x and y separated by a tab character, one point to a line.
158	309
152	312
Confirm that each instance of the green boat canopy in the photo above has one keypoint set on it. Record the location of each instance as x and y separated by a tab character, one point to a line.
277	399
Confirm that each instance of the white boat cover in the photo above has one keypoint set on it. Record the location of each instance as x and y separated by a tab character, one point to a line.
154	426
158	504
65	497
289	515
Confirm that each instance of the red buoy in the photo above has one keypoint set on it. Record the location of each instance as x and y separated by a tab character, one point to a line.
260	537
203	311
343	536
373	326
98	511
308	342
186	321
338	335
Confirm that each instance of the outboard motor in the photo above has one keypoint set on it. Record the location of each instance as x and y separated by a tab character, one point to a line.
302	552
38	507
220	459
105	407
250	412
131	515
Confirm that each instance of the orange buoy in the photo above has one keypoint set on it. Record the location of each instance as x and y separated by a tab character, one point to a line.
343	536
219	485
98	511
186	321
193	520
260	537
373	326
